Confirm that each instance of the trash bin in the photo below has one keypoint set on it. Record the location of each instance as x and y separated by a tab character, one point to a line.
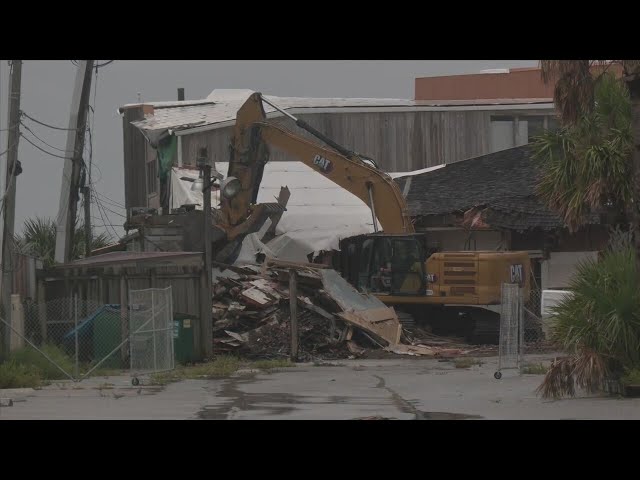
183	348
107	335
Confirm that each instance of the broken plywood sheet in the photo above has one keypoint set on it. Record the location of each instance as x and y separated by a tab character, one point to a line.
234	335
270	288
345	295
388	329
257	298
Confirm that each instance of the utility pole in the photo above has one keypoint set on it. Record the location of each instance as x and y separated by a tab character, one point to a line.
69	193
207	327
86	192
13	169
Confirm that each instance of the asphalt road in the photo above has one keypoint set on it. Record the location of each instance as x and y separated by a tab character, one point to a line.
403	389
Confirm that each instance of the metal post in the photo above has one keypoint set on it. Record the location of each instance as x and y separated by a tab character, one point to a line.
171	341
9	196
86	191
373	207
293	306
521	328
75	322
153	329
207	326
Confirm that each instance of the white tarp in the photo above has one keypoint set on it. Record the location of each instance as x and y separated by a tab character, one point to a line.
319	212
181	193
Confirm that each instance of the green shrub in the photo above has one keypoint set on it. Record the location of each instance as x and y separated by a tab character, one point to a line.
631	377
598	325
15	375
29	356
603	314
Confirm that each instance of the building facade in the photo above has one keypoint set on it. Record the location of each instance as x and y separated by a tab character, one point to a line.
401	135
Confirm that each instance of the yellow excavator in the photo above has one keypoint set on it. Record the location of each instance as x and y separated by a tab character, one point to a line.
454	291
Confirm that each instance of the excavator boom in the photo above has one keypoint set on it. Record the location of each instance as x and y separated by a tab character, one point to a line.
374	187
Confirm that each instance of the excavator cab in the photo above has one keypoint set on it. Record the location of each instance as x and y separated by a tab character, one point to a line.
385	264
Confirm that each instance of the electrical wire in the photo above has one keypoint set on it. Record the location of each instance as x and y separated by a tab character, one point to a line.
47	144
111	201
99	65
44	151
46	124
112	206
104	214
115	213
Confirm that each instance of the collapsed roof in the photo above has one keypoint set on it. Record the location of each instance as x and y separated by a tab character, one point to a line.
497	190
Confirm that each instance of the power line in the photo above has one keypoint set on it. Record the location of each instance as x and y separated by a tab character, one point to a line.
44	151
104	64
47	144
101	212
115	213
46	124
111	201
97	66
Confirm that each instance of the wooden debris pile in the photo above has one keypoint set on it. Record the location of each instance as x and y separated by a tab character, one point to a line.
251	314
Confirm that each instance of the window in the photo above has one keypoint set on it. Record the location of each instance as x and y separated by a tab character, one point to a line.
513	131
502	132
152	177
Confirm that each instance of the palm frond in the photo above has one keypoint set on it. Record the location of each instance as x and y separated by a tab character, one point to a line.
38	239
586	165
586	370
575	83
598	325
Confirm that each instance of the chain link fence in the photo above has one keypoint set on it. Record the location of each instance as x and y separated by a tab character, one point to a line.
522	331
535	336
71	338
512	329
80	336
152	348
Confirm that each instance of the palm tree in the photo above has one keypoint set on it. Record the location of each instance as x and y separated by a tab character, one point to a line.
586	165
598	149
599	325
574	97
39	239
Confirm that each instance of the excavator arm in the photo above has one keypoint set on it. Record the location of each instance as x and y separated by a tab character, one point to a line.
253	136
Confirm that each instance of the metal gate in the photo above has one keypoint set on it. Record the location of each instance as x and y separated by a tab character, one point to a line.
151	327
511	346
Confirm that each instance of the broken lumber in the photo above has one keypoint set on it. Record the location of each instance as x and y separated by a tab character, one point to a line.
387	329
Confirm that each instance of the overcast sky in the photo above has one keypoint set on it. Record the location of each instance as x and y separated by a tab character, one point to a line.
47	87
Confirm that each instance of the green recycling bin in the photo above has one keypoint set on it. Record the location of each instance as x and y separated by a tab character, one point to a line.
107	336
183	326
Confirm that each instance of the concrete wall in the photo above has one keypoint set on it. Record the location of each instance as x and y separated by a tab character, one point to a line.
561	266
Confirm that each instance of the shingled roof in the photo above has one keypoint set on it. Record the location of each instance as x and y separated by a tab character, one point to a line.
495	190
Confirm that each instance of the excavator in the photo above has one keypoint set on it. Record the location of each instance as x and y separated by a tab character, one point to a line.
453	291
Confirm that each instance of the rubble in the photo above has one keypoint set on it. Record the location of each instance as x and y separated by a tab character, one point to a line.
251	315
